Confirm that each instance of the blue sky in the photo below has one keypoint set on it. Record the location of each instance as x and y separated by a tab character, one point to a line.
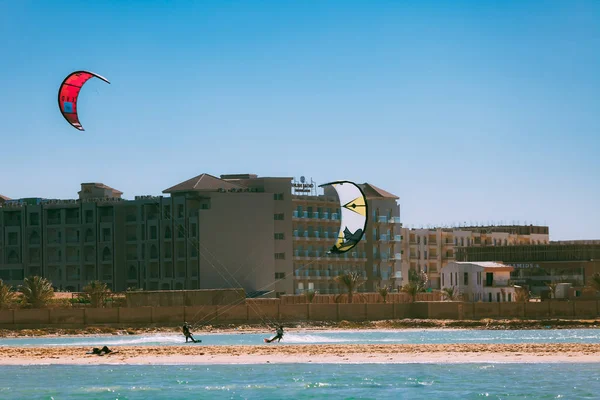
467	110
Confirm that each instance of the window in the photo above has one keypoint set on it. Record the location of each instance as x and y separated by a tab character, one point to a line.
451	282
279	217
443	279
167	212
180	211
498	297
167	233
279	294
279	275
466	278
278	196
34	219
89	216
193	230
280	256
106	256
105	235
510	297
280	236
153	233
13	239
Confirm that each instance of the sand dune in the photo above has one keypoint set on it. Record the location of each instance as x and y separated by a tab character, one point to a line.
199	354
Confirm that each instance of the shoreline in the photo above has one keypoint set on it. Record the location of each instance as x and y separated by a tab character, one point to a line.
318	354
384	325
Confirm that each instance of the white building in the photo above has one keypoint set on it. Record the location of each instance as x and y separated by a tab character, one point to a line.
479	281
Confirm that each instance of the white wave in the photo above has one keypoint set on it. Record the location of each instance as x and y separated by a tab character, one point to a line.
124	341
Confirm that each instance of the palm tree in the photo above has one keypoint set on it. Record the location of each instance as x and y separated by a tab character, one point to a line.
450	293
417	283
595	282
96	292
6	294
37	291
310	295
552	287
352	281
384	291
521	294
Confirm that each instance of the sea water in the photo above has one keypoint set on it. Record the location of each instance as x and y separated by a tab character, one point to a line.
410	336
303	381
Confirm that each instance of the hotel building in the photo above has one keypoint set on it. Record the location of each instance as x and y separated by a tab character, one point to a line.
430	250
315	227
207	232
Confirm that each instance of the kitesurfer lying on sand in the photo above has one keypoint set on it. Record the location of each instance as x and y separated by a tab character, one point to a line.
188	334
100	352
278	334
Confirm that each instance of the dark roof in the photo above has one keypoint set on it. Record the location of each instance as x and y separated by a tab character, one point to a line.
4	198
203	182
372	191
102	186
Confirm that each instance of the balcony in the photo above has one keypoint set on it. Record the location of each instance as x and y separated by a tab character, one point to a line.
54	221
396	256
394	220
295	214
334	217
315	215
382	219
383	238
499	283
396	238
433	257
325	215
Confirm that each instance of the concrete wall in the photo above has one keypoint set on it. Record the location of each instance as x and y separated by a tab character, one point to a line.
167	298
443	310
271	312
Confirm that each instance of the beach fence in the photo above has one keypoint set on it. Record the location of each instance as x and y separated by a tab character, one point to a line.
256	311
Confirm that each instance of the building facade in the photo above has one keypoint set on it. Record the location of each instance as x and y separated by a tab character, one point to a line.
430	250
537	265
206	232
315	228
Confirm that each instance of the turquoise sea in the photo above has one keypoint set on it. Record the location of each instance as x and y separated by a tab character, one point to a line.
414	336
303	381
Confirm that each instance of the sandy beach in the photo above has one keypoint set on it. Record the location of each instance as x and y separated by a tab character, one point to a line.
199	354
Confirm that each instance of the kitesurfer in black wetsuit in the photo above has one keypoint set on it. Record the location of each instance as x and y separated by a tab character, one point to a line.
188	334
278	334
